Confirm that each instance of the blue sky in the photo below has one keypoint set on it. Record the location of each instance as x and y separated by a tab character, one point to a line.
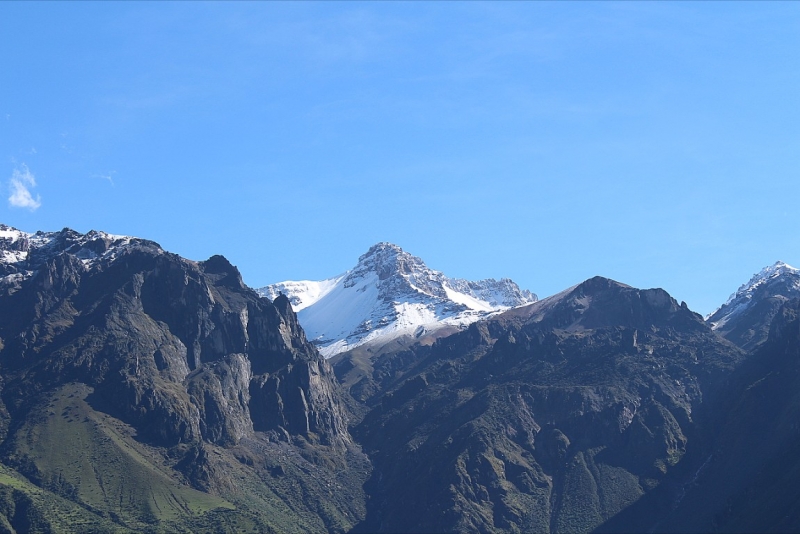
654	143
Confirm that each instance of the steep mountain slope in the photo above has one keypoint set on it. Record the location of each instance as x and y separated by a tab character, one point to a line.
745	318
750	483
388	294
744	478
155	391
553	417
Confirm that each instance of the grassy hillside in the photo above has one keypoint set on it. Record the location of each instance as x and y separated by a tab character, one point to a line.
85	470
87	456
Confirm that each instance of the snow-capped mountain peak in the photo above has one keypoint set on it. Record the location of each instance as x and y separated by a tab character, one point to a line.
390	293
387	259
396	269
778	279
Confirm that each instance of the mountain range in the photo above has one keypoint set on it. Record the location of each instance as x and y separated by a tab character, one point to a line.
144	392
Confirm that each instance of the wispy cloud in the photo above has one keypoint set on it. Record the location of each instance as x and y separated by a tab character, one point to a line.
107	176
22	181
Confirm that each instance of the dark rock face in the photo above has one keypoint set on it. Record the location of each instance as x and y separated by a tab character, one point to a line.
554	417
221	393
746	479
175	347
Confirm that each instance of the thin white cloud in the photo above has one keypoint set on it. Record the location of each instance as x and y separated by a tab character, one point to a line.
107	176
22	181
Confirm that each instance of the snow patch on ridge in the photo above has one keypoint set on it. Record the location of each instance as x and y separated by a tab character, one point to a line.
22	253
468	300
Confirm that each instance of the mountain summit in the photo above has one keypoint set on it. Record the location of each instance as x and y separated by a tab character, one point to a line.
391	293
745	318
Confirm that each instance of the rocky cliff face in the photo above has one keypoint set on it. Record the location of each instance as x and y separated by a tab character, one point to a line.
180	351
183	349
549	418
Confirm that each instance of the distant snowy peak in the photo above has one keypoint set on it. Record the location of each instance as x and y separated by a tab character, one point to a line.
779	279
22	253
762	278
390	293
400	273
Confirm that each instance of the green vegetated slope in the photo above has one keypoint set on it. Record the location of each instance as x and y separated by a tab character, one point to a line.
91	457
85	469
25	507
